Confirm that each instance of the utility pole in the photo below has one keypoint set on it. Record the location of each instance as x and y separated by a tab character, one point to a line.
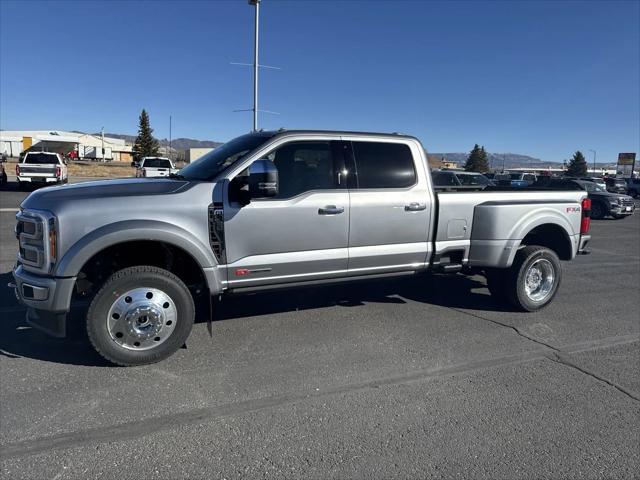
170	150
256	3
594	162
102	137
256	66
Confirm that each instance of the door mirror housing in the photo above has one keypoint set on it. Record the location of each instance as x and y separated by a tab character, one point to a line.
263	179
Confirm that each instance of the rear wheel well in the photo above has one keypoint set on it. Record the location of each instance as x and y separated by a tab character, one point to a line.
552	236
164	255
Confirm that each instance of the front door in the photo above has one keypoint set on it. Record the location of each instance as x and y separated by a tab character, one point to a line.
302	233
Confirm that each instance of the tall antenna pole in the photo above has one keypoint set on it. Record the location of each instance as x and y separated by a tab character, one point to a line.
256	3
170	150
256	65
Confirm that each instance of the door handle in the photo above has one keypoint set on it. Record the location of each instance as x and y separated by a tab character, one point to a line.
330	210
415	207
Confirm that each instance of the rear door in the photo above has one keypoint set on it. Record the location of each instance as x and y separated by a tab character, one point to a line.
390	208
302	234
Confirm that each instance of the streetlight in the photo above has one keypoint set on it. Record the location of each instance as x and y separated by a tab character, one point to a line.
594	162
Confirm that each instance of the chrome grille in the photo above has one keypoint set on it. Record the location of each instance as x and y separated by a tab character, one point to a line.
627	202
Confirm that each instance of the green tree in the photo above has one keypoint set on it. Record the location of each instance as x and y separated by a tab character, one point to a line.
477	160
145	145
577	166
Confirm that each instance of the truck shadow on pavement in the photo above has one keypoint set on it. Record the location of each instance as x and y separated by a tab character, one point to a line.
453	291
18	340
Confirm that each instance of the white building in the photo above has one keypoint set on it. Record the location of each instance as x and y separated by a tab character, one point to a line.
13	142
193	154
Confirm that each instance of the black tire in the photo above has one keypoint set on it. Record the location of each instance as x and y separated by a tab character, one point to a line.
516	279
20	185
496	283
3	178
598	211
114	288
618	217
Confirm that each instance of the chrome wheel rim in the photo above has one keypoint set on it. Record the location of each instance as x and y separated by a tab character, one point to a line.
539	280
142	318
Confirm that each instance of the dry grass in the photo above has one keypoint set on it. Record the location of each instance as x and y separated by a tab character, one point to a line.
112	170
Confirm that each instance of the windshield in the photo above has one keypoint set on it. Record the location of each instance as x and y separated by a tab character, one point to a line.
214	162
591	187
471	179
157	163
41	158
502	176
515	176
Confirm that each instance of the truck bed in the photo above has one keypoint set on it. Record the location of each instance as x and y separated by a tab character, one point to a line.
485	227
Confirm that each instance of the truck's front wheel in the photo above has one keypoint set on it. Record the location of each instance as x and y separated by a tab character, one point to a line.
534	278
141	315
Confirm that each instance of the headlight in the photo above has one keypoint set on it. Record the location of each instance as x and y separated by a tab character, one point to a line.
37	234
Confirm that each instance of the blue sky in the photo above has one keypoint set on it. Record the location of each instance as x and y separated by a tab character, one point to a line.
541	78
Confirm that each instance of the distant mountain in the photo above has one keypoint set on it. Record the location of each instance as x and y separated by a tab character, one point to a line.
176	143
496	160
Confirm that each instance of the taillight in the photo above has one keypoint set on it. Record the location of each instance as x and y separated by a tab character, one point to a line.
57	171
585	223
17	170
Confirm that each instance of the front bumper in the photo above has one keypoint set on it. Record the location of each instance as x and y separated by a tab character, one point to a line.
48	300
617	209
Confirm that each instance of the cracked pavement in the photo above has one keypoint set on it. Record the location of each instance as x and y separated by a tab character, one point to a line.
423	377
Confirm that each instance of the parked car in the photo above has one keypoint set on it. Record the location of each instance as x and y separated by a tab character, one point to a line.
515	179
616	184
633	187
447	179
154	167
599	180
269	210
3	173
41	168
603	203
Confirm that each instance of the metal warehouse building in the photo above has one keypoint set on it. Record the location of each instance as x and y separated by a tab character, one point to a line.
87	146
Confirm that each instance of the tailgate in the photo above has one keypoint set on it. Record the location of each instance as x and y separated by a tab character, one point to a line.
35	170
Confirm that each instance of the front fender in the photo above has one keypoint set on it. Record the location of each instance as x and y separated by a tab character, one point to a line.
132	230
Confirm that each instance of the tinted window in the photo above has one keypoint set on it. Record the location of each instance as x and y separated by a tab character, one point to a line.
384	165
157	163
41	158
472	179
444	179
303	166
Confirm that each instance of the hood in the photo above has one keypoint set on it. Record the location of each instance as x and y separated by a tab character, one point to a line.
127	187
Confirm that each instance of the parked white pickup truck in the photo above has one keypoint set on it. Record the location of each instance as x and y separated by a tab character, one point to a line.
41	168
154	167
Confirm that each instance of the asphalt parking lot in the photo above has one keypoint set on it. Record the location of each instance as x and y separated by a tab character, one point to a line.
421	377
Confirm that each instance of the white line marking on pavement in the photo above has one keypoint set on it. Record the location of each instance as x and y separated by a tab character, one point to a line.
9	209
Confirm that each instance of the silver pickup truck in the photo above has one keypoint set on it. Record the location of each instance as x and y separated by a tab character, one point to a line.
269	210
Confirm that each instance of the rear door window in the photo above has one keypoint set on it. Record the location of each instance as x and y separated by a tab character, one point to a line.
384	165
41	159
157	163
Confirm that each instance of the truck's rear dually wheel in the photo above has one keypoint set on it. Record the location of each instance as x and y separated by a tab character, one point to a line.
534	278
141	315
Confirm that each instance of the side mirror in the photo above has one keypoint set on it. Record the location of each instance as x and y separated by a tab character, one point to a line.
263	179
